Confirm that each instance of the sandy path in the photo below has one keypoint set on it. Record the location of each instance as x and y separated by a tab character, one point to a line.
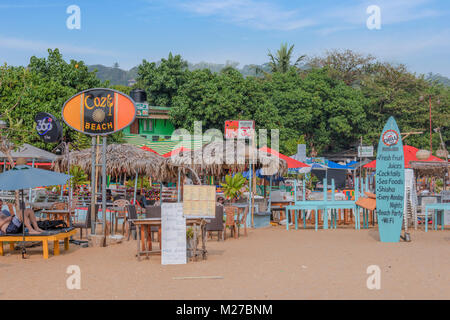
270	263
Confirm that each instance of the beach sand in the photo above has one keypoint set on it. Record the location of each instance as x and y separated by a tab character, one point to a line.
269	263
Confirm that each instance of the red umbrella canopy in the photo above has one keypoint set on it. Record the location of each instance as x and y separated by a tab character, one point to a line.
292	163
175	151
410	155
149	149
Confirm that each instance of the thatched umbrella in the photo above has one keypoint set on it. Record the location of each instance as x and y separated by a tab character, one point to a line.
120	159
218	157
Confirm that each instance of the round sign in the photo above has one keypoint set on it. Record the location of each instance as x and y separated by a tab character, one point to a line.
99	111
390	138
48	127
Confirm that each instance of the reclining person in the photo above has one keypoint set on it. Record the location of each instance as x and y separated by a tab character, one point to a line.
4	209
14	224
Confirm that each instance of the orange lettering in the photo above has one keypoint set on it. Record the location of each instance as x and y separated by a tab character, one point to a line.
86	104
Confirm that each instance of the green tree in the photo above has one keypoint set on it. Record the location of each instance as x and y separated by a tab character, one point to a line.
214	98
282	60
345	65
393	91
163	81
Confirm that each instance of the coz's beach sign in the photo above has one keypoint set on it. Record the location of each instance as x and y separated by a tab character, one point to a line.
390	182
99	111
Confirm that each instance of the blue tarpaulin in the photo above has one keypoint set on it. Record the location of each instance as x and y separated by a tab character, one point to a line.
246	175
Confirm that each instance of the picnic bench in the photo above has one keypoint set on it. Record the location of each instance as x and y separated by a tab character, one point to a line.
64	234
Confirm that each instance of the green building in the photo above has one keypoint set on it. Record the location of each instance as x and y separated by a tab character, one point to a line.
152	123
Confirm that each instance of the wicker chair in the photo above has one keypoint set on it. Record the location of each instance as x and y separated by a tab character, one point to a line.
122	214
230	212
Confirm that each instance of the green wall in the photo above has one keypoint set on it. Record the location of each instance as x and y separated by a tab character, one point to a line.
154	127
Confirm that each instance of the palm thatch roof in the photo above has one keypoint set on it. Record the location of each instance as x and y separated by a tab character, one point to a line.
120	159
30	152
430	168
218	157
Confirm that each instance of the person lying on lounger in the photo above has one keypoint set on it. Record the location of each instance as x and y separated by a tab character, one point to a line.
14	224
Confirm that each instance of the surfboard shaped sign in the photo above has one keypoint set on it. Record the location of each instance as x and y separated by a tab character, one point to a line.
390	182
99	111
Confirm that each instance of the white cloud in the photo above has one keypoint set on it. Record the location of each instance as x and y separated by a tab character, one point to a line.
256	14
38	46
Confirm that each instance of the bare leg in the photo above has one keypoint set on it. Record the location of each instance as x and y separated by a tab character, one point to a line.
30	214
30	221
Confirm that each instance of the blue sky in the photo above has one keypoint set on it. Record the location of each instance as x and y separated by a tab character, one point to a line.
414	32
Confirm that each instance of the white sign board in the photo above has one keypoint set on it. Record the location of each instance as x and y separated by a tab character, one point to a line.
173	234
365	151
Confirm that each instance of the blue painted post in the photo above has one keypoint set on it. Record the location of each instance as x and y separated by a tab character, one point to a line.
296	219
287	223
295	190
304	199
333	212
304	218
250	193
270	194
356	209
366	184
304	194
325	199
364	218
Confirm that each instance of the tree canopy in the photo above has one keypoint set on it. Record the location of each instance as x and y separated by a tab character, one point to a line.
328	103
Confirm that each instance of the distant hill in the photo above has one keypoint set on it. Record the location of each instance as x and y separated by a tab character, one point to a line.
439	78
117	76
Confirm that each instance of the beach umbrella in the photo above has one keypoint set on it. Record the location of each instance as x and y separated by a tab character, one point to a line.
24	177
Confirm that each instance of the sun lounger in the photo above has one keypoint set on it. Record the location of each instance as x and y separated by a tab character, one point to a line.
45	237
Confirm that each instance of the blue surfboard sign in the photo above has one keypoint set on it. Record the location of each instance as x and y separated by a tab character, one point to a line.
390	182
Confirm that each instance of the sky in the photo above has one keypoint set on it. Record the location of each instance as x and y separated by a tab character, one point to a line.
412	32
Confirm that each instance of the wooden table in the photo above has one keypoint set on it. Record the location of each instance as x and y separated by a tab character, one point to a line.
63	213
144	239
44	238
280	206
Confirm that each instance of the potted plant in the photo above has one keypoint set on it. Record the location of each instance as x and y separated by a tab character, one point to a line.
190	244
234	186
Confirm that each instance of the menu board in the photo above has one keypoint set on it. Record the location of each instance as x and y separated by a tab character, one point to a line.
199	201
390	183
173	234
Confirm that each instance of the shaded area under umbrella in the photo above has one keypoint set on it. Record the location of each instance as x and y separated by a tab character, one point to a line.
24	177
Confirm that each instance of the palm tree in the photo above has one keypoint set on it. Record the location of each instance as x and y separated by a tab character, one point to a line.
282	61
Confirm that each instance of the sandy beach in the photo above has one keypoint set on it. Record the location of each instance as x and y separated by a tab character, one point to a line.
269	263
